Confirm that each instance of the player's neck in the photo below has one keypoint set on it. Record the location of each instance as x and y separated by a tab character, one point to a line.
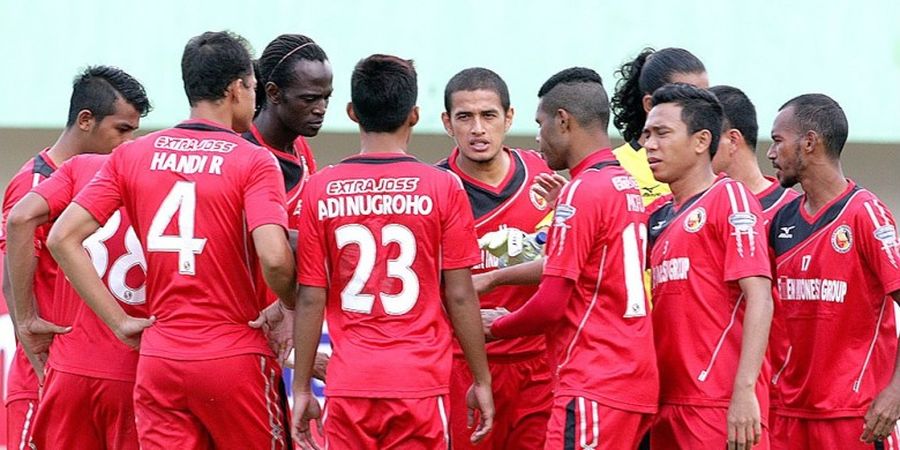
746	170
491	172
698	179
65	147
274	133
585	146
396	142
213	112
822	185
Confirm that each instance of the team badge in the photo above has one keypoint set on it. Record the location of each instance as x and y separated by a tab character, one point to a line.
537	200
842	239
695	220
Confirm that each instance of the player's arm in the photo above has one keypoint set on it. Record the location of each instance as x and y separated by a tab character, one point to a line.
884	412
464	311
743	413
35	333
7	291
521	274
310	313
65	243
546	307
277	262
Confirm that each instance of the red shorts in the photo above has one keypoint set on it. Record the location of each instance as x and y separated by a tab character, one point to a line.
84	412
19	422
523	395
353	423
842	433
578	422
226	403
694	427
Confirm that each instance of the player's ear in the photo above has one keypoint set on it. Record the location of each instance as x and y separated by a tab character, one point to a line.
702	139
273	93
647	100
563	120
413	117
445	119
509	118
734	136
350	113
85	120
810	141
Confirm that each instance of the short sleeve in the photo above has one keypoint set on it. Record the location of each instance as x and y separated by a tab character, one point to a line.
879	246
740	225
311	245
264	200
103	195
58	190
459	243
574	230
17	188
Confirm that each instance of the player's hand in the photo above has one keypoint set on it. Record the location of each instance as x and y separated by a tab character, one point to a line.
320	366
488	316
744	423
277	322
548	185
130	329
479	398
36	334
483	282
306	409
882	415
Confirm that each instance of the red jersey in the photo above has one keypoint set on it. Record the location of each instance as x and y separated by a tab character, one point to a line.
603	346
194	194
835	273
91	349
699	252
378	229
511	204
22	380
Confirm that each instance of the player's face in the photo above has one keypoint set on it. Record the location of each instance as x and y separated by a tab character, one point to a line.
721	161
699	79
478	124
668	143
785	150
114	129
549	140
245	98
301	105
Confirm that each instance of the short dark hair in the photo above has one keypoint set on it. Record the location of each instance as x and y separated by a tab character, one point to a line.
97	88
212	61
278	59
473	79
647	72
700	110
820	113
383	91
579	91
739	112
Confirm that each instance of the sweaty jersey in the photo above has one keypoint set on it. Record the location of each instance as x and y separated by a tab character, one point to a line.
633	159
194	194
699	251
91	349
511	204
378	229
835	271
22	381
603	346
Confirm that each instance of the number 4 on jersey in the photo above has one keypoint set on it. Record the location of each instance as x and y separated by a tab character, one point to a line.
182	199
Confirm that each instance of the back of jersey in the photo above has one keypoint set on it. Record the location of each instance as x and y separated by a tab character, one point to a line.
194	193
376	231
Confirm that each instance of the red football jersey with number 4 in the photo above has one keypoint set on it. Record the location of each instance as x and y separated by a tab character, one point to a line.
91	349
194	194
376	231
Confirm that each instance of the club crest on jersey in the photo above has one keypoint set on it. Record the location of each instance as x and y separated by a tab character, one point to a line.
563	213
695	220
842	239
538	201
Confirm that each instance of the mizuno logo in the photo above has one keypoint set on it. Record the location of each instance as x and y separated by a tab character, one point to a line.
786	232
659	225
649	189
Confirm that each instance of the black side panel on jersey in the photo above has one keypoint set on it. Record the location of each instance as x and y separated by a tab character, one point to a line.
42	167
484	201
789	229
291	171
663	217
773	197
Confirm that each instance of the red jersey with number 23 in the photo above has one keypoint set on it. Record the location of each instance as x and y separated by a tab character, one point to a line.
603	347
377	230
194	194
91	349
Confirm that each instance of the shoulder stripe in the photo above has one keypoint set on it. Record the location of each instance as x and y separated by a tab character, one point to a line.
571	191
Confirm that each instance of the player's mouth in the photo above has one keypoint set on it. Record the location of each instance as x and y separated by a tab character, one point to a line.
316	124
653	162
479	145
